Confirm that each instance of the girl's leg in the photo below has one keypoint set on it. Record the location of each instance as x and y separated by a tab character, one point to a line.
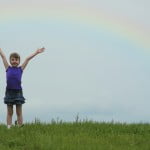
19	114
9	115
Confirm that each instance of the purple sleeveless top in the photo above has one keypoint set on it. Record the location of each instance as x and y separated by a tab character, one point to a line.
13	75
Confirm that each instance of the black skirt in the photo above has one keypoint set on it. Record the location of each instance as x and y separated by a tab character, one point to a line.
13	96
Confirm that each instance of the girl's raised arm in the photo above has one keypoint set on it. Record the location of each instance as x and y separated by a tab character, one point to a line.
4	59
40	50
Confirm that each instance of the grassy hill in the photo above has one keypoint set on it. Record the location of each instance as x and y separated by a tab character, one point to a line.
86	135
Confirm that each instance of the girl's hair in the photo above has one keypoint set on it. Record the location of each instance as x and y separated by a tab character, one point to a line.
15	55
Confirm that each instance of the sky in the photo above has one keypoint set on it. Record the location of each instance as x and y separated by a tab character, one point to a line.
96	62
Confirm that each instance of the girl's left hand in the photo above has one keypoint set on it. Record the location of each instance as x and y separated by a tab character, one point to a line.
40	50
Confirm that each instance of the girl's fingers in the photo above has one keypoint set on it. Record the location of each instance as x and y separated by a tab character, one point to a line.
40	50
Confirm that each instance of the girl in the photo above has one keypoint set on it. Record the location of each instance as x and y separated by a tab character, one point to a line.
14	94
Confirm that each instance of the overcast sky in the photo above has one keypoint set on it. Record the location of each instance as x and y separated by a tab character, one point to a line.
96	62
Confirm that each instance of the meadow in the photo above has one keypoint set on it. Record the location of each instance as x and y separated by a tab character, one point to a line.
78	135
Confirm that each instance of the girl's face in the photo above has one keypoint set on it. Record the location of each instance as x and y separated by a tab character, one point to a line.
14	61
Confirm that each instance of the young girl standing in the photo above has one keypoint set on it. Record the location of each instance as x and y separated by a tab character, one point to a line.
14	93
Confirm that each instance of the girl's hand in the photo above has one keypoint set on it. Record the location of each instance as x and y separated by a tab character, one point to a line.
40	50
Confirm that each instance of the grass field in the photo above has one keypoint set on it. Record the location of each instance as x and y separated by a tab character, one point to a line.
86	135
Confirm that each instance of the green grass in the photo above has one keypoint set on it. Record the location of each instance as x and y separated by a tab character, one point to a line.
86	135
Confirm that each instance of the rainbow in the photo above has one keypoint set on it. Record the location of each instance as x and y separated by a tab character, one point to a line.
93	18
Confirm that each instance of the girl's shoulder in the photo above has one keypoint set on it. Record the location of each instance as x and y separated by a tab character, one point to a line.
9	67
20	68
